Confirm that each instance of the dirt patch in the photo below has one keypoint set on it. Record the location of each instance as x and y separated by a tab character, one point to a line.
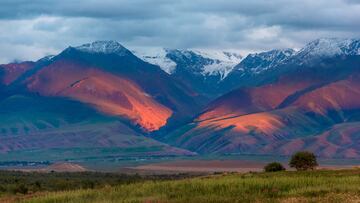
56	167
204	166
65	167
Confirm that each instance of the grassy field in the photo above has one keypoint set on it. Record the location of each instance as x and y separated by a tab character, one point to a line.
17	185
312	186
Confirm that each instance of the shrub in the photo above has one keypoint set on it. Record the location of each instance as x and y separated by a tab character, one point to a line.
303	161
37	184
2	189
85	184
273	167
22	189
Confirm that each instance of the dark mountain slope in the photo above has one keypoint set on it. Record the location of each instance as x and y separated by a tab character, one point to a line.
39	128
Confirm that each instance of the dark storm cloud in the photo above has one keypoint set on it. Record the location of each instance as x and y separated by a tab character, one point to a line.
30	29
137	9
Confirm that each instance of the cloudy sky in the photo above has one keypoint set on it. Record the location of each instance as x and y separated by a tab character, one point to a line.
30	29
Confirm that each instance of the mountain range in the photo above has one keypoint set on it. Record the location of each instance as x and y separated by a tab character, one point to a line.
103	100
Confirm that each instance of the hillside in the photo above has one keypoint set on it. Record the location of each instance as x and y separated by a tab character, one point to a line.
309	107
35	128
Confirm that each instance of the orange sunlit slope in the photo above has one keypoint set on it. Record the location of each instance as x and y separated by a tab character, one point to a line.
108	93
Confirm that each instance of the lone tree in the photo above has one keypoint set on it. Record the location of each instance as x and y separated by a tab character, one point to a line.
303	161
273	167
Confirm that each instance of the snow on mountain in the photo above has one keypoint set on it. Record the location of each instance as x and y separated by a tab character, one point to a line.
220	63
327	47
156	56
203	62
258	62
311	52
106	47
46	58
223	62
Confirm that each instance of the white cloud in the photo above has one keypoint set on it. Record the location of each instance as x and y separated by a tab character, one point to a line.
23	52
264	33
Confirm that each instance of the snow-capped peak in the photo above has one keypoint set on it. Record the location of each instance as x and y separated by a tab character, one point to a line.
329	47
205	62
106	47
274	55
259	62
222	64
156	56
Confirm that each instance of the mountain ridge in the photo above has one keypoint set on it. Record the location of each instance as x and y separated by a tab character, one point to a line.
203	102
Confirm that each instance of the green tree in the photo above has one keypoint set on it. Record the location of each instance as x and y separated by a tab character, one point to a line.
273	167
303	161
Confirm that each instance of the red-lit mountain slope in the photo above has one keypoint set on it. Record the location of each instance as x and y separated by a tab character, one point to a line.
110	94
112	80
277	118
10	72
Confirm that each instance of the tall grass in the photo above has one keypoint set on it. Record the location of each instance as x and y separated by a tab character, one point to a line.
317	186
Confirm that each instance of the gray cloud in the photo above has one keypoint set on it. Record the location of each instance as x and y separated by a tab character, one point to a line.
137	9
31	29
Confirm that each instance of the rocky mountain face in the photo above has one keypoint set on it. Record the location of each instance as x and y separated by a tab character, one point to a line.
320	49
265	67
214	73
199	69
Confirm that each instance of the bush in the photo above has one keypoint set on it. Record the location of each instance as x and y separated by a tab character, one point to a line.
2	189
303	161
22	189
273	167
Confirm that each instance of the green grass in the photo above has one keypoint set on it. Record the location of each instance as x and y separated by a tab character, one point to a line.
16	184
314	186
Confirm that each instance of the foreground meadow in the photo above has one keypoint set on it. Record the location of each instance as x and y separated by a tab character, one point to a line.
311	186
